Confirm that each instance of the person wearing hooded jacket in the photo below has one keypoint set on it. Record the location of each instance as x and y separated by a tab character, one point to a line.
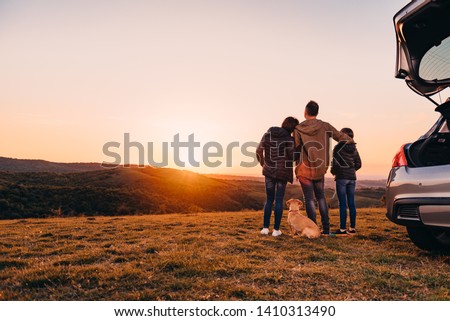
346	161
275	153
312	140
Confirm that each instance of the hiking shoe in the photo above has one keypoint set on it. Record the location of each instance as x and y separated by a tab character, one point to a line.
352	230
340	232
265	231
276	233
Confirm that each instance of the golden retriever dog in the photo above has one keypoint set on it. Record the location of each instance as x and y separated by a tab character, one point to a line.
300	225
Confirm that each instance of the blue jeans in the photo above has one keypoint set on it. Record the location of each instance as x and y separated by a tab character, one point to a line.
345	189
315	188
274	192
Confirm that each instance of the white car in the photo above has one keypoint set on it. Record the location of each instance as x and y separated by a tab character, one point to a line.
418	187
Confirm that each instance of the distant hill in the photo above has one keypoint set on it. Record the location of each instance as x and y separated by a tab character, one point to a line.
237	177
37	165
41	189
329	182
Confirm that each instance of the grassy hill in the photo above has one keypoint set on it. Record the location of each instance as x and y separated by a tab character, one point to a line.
212	256
118	192
125	191
34	188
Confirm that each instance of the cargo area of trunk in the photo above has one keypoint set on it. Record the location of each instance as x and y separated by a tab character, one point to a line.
434	149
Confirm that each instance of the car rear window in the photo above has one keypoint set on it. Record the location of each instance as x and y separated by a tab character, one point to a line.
435	64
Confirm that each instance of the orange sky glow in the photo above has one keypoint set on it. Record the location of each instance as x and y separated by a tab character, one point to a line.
78	74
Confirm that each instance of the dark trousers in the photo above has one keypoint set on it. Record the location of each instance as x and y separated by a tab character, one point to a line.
345	190
275	190
315	190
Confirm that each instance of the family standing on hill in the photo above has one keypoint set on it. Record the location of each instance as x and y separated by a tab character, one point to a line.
309	148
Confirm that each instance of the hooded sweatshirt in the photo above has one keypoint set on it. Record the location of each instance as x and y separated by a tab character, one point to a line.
275	153
346	161
312	140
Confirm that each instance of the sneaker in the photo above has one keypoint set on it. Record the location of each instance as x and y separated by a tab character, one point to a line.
276	233
265	231
325	233
341	232
352	230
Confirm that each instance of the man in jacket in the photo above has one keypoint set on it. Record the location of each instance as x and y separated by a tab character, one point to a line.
312	140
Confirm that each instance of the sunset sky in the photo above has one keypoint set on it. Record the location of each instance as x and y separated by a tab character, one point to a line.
78	74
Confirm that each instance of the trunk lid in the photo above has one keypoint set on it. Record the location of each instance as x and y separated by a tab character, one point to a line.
423	45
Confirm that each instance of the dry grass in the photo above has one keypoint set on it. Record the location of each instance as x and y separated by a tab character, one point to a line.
212	256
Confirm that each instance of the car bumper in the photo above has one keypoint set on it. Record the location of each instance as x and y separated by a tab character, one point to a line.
419	196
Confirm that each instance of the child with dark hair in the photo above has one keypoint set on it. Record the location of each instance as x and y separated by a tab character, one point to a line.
346	162
275	153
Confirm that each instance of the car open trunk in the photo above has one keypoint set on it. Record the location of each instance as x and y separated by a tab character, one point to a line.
423	45
433	149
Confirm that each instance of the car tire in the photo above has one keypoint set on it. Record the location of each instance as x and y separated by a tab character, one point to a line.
433	240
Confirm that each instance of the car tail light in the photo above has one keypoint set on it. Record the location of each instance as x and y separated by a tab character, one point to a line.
400	158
